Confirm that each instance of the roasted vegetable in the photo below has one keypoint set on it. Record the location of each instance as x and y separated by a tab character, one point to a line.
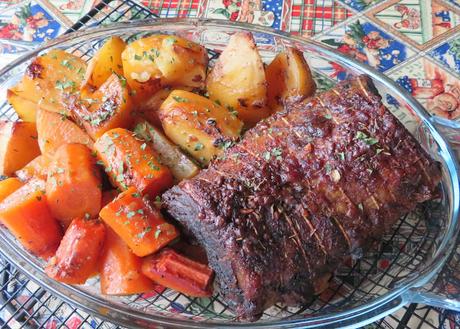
139	225
237	80
177	272
170	155
73	187
104	63
161	60
77	257
107	108
37	168
131	162
182	62
25	109
18	145
8	186
288	76
198	125
55	130
26	214
48	81
120	269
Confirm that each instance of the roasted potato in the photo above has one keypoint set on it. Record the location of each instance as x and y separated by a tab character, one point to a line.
237	80
108	107
25	109
288	76
55	130
182	62
170	155
149	109
18	145
37	168
162	60
47	82
198	125
104	63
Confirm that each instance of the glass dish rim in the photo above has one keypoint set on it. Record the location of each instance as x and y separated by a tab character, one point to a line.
101	307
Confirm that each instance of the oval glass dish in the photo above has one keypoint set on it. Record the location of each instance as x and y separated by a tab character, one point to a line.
394	273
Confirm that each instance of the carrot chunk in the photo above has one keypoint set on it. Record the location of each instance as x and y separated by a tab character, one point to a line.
177	272
141	226
77	257
131	162
120	269
26	214
8	186
73	184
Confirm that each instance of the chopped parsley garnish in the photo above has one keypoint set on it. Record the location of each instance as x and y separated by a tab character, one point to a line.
144	232
62	85
341	156
366	139
199	146
157	233
180	99
328	116
130	214
143	146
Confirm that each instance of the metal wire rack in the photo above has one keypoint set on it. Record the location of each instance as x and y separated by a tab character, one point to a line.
30	306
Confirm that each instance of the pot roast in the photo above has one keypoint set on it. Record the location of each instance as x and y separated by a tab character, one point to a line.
303	190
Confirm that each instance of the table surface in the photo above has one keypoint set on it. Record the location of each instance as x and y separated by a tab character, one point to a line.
415	42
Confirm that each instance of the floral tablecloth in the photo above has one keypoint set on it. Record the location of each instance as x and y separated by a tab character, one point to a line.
415	42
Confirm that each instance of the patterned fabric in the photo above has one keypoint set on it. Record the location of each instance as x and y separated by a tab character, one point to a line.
415	42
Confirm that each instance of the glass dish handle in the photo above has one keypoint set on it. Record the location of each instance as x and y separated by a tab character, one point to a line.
443	290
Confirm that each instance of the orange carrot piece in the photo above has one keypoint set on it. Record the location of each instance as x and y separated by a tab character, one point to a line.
131	162
26	214
37	168
120	269
77	257
8	186
141	226
180	273
73	187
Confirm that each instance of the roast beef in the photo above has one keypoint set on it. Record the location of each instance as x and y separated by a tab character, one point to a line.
304	189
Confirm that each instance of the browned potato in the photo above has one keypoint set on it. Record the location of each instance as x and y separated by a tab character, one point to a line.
288	75
107	108
170	155
18	145
237	81
162	60
198	125
105	62
25	109
47	82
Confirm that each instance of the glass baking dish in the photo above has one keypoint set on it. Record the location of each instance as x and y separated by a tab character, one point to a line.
399	270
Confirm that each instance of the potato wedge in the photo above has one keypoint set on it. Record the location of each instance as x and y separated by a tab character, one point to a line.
107	108
288	75
18	145
48	81
105	62
182	62
198	125
37	168
237	80
55	130
161	60
170	155
25	109
140	69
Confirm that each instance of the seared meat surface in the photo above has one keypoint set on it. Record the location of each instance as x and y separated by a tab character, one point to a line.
301	191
